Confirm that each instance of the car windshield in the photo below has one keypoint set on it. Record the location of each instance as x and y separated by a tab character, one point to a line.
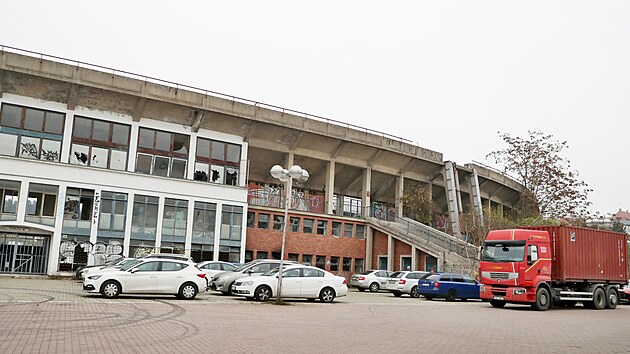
243	267
504	251
113	261
366	272
130	264
397	275
125	262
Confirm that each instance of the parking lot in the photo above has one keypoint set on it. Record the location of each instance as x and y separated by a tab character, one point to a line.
44	315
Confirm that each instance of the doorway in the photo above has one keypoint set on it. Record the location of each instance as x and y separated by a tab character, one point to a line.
23	254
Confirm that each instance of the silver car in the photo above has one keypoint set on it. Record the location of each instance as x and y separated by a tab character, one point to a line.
223	281
404	282
371	279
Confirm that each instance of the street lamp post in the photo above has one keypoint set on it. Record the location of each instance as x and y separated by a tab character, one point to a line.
286	176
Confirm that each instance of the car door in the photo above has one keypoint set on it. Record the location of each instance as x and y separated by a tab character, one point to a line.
381	277
291	282
142	278
472	287
459	285
170	277
312	282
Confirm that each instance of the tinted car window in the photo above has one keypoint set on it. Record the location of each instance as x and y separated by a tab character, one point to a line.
381	274
261	268
173	266
397	275
148	267
228	267
291	273
458	278
445	277
212	266
312	273
469	280
412	276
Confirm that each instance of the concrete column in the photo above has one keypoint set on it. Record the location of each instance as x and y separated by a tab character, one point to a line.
133	146
330	186
390	252
128	220
217	231
339	211
160	222
96	207
67	137
366	192
369	248
22	199
414	258
55	240
243	234
192	153
400	185
189	227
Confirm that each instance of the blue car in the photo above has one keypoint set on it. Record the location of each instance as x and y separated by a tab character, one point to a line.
450	286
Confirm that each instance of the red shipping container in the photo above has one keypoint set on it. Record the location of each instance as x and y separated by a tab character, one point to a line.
587	255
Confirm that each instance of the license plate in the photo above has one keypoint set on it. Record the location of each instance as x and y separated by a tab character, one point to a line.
424	285
392	282
496	297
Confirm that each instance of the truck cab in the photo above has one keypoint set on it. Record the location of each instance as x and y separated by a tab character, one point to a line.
514	265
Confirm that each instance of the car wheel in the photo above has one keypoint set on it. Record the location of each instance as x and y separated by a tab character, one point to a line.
497	303
262	293
612	298
414	292
374	287
361	289
599	299
187	291
110	289
451	295
311	299
543	301
327	295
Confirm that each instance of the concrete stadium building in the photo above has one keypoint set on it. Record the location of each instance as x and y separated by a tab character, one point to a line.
97	163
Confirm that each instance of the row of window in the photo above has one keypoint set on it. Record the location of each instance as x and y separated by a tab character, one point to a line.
306	225
38	134
82	207
330	263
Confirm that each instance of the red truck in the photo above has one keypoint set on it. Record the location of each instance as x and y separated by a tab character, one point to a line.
553	265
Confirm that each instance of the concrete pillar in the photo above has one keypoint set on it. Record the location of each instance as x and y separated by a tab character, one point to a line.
189	227
330	186
217	231
339	211
390	252
192	156
366	192
414	258
133	147
57	237
160	222
369	248
128	219
400	185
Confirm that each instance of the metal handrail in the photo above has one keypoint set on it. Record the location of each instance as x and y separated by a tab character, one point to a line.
233	98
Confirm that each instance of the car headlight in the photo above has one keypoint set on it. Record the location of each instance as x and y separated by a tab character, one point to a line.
248	283
94	277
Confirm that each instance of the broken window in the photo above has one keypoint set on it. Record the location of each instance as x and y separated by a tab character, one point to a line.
162	153
217	162
99	143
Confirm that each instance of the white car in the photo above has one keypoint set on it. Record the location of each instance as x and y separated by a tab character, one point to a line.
93	270
149	276
298	281
404	282
212	268
370	279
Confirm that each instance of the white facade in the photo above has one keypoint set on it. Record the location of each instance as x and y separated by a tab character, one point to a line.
54	197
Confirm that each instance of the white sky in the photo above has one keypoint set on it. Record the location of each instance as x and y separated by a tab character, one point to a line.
445	74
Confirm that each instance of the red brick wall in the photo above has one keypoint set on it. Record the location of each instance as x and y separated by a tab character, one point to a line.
400	249
270	240
379	240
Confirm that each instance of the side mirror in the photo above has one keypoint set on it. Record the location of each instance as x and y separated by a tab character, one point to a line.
133	270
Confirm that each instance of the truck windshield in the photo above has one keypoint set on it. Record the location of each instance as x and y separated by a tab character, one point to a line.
504	251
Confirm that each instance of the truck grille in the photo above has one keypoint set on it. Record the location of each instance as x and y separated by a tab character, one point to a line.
499	275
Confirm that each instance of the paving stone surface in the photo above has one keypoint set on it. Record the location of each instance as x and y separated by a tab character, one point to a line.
41	315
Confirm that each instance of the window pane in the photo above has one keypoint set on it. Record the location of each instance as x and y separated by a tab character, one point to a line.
263	221
99	157
120	134
162	141
180	143
161	166
10	202
82	128
217	174
322	227
295	224
218	150
34	120
308	226
178	169
360	232
278	222
233	153
51	150
11	116
201	171
336	228
101	131
8	144
203	148
33	203
118	160
79	154
348	230
29	147
143	164
146	138
231	176
50	202
54	123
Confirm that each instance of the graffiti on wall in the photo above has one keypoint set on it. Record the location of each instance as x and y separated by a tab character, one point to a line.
73	252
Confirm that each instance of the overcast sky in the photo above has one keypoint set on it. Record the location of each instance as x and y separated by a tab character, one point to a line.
445	74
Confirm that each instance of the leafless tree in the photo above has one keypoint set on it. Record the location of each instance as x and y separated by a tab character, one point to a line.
554	189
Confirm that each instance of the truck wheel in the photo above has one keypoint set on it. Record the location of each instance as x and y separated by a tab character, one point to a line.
497	303
612	298
599	299
543	300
